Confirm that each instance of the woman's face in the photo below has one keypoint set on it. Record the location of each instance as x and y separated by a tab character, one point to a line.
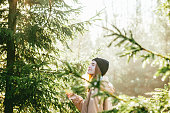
91	68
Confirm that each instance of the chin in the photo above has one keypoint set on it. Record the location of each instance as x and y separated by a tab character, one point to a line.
90	73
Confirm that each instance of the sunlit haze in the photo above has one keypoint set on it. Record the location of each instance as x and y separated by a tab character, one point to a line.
123	10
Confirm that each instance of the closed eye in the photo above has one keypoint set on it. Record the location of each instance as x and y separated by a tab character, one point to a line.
93	64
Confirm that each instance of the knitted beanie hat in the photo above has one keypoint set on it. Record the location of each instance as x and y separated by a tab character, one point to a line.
103	65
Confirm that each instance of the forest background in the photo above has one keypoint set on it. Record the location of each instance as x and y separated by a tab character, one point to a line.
47	45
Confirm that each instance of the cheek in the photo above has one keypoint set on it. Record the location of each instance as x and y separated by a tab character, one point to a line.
93	68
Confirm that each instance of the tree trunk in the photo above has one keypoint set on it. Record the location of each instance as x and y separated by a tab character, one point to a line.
8	102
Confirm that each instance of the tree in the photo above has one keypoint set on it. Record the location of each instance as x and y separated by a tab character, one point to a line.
31	33
10	55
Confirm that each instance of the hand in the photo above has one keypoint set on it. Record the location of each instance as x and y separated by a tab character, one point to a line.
69	94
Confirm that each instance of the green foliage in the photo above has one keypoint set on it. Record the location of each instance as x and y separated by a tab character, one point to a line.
40	77
4	32
158	102
2	1
164	8
133	49
36	89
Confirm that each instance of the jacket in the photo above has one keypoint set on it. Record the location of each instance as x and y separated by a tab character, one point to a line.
94	104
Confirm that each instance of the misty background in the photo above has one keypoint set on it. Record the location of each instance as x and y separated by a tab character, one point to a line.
150	30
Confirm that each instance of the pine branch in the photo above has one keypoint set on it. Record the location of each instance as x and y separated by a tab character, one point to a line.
131	40
157	54
132	47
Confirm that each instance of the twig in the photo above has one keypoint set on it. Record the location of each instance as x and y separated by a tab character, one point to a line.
142	48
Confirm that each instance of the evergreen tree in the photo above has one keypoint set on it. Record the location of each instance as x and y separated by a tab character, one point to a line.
32	35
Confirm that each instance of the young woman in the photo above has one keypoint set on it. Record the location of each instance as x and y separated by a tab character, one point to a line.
94	104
